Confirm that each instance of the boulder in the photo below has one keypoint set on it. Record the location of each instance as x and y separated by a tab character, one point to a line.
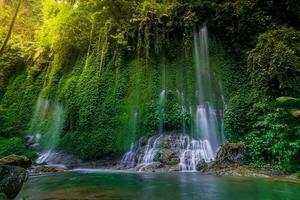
232	153
47	169
152	167
174	168
29	140
202	166
11	180
15	160
167	157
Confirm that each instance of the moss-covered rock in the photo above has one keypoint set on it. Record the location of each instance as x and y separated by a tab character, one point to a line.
167	156
48	169
11	180
15	160
232	153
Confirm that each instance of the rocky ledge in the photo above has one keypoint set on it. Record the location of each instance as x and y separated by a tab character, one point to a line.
43	169
16	160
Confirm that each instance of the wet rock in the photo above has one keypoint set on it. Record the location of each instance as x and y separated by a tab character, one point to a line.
167	156
29	140
15	160
143	141
47	169
174	168
202	166
62	158
230	153
71	161
152	167
11	180
32	141
229	161
227	172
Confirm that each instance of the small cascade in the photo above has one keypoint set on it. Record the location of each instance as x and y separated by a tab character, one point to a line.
188	151
129	157
141	155
47	123
45	156
192	152
151	150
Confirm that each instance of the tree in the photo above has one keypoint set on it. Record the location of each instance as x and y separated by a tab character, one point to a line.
11	27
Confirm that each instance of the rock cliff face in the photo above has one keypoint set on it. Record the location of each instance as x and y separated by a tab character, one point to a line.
11	180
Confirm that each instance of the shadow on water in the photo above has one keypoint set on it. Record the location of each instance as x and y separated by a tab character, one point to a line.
154	186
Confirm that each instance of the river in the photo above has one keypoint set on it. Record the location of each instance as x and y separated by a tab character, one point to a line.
117	185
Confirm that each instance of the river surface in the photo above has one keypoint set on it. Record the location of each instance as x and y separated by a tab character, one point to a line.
109	185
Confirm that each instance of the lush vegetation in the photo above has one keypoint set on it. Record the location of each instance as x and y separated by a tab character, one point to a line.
15	146
103	61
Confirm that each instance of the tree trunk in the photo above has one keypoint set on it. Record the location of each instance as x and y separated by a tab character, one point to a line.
10	27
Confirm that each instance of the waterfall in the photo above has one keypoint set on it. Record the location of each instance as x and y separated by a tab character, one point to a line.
183	110
188	151
47	122
198	140
210	103
128	158
151	149
161	111
192	151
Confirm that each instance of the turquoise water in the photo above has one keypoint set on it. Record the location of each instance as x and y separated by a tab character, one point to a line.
154	186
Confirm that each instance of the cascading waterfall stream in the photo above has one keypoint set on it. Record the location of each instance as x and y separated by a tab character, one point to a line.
47	123
200	140
208	124
183	110
161	111
192	151
128	158
187	150
151	150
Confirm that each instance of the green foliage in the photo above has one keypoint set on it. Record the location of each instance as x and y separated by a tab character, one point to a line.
238	118
106	60
274	64
236	20
173	115
65	27
17	104
10	62
274	139
169	114
269	128
15	146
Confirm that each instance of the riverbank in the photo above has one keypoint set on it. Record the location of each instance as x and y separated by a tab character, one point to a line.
112	163
167	154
